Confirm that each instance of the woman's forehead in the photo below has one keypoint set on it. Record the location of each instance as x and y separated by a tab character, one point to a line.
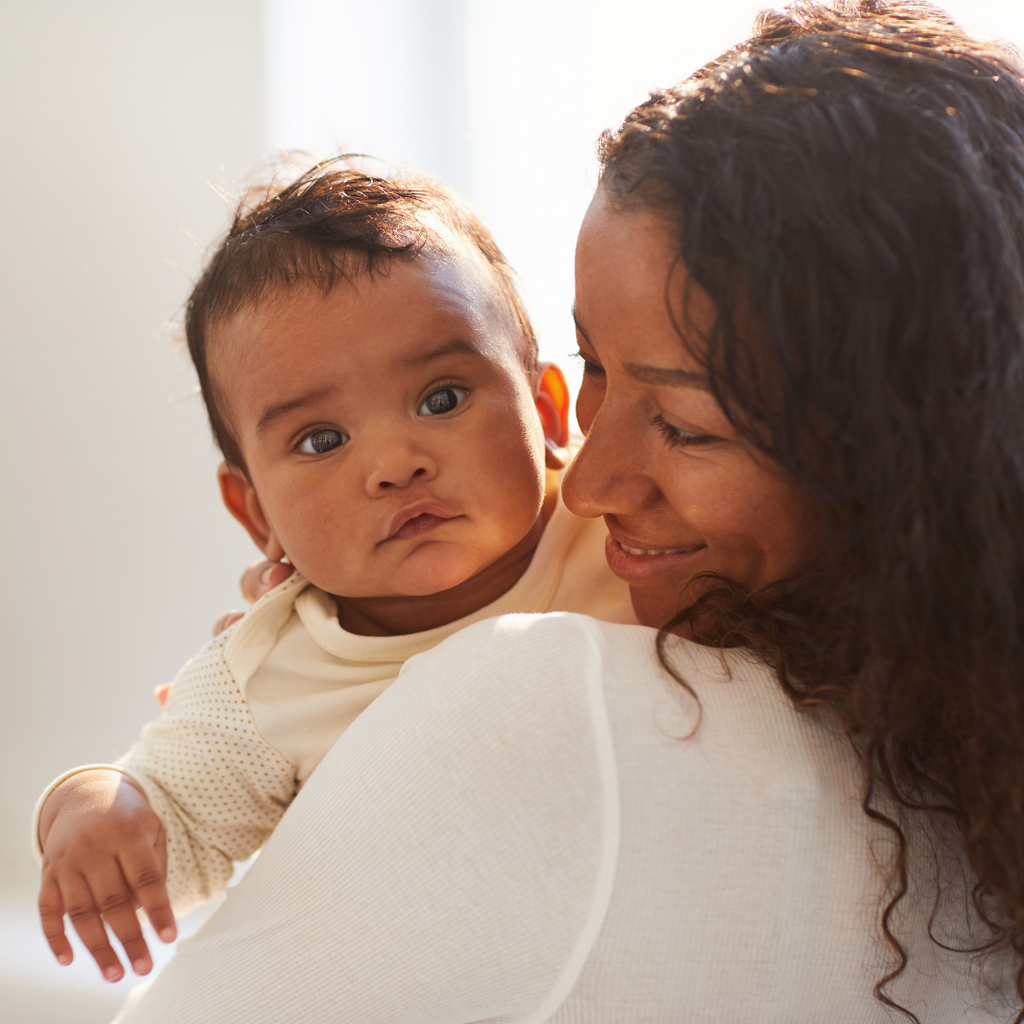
633	292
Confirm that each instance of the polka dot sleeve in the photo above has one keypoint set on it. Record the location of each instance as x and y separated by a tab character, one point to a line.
217	785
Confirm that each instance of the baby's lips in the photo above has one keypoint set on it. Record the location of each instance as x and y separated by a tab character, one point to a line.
428	507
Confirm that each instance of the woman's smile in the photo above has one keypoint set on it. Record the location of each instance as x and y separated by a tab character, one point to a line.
635	561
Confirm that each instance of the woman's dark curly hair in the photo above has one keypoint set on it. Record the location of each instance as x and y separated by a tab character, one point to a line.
848	186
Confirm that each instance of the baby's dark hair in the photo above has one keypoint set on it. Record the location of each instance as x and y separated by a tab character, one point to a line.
333	223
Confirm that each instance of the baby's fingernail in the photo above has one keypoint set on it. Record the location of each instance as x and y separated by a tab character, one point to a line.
63	958
265	575
166	934
112	973
141	966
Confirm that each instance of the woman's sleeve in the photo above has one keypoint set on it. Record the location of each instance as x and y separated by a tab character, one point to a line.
451	859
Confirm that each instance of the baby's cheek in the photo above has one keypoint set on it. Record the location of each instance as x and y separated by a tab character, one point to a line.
330	555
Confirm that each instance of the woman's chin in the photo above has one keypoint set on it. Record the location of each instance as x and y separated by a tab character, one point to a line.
659	584
653	609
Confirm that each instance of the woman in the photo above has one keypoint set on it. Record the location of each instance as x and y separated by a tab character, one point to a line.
800	299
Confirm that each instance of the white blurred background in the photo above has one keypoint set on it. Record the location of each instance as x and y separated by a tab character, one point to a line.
125	126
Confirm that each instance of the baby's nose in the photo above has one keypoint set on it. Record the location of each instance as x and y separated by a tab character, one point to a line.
398	468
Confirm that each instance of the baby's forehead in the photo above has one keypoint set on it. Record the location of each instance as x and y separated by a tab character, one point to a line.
444	295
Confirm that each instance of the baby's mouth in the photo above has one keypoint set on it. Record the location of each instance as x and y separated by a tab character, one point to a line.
422	523
418	518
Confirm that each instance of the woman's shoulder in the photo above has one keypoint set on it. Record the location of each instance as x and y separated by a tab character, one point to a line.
526	661
513	668
518	660
556	636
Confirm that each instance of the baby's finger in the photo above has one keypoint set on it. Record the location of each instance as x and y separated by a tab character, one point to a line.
227	619
146	873
51	915
113	895
84	914
261	577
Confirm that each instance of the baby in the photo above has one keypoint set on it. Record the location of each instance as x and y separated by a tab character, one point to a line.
371	378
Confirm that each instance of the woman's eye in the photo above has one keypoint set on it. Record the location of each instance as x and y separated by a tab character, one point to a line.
590	368
675	436
439	402
322	441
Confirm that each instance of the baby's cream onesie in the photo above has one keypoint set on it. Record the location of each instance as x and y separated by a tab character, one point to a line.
251	716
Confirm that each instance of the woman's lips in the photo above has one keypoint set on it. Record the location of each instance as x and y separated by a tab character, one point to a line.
633	560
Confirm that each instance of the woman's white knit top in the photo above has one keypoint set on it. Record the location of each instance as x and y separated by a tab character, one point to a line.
523	828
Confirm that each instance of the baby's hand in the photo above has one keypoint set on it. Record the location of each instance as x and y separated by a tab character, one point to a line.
258	579
104	855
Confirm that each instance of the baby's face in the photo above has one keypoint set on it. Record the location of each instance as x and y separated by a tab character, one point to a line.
388	426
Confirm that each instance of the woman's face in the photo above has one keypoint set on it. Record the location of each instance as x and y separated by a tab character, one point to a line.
680	492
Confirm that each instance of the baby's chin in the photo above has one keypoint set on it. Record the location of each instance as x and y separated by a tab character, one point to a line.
417	577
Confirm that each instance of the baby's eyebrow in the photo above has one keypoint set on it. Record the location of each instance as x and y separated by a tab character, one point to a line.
280	408
449	348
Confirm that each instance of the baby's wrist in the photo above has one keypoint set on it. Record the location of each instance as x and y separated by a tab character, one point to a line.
93	785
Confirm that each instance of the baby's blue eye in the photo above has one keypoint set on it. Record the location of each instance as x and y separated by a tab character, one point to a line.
322	441
442	401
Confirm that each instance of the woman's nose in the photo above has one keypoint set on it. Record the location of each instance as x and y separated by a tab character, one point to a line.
398	465
608	476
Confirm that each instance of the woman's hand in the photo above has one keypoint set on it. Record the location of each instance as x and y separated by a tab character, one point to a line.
104	855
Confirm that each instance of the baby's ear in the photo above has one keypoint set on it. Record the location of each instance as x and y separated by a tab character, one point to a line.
240	499
553	404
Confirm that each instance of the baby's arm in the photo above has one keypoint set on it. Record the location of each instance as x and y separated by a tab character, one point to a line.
203	773
104	854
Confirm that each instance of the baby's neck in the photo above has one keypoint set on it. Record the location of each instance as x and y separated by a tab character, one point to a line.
393	616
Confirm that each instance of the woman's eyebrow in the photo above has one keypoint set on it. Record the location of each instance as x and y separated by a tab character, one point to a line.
579	326
659	375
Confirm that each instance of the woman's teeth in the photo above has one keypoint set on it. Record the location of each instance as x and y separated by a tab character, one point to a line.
650	551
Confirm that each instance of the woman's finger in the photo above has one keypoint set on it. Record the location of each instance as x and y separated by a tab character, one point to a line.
261	577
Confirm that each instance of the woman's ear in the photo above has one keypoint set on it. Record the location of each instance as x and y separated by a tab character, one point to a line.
552	399
239	497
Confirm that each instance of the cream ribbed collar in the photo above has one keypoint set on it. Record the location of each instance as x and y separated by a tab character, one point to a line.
533	592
